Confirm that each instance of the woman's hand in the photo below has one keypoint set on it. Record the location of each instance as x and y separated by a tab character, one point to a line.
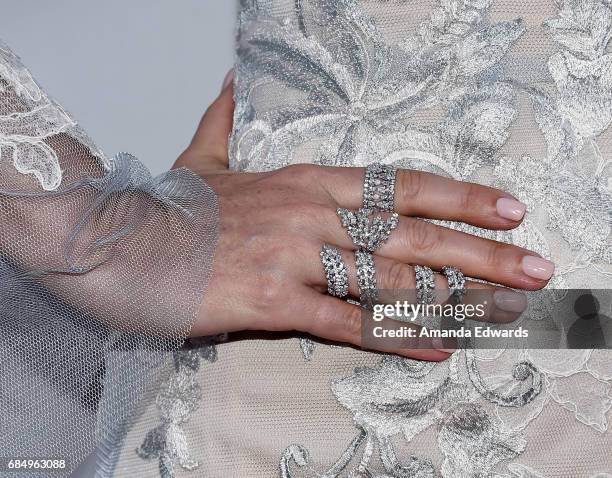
268	274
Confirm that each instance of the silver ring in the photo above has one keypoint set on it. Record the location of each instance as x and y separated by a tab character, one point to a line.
425	285
366	278
335	271
379	187
367	234
456	281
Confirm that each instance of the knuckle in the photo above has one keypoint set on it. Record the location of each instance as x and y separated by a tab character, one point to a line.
398	276
300	215
471	198
496	256
411	185
269	268
269	284
350	321
300	171
422	237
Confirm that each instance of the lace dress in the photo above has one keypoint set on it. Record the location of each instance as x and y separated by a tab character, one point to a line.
502	92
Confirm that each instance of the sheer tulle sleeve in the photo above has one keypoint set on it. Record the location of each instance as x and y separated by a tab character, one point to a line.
102	272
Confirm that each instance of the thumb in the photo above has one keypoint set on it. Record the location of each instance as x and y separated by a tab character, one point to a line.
208	149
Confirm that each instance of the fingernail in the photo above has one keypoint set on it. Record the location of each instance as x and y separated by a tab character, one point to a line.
538	268
510	209
438	344
510	301
228	79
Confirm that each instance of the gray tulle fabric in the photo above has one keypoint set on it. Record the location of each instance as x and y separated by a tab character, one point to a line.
102	271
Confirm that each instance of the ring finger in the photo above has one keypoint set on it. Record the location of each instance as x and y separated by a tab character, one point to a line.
396	281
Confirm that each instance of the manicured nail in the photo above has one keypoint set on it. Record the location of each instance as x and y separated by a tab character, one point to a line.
228	79
538	268
510	301
510	209
438	344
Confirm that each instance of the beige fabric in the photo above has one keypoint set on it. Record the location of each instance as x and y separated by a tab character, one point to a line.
261	396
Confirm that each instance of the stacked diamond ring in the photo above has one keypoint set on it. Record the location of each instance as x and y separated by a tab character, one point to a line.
335	271
367	234
425	285
367	231
379	187
366	277
456	281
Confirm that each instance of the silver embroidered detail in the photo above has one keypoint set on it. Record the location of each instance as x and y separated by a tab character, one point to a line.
473	443
521	372
308	347
362	447
357	99
176	401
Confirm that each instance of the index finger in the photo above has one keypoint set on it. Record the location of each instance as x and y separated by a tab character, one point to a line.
428	195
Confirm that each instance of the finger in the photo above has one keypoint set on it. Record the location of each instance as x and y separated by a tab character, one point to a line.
416	241
339	321
396	282
419	242
208	149
431	196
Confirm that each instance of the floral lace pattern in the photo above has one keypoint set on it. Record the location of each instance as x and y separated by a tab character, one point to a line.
354	98
176	401
23	132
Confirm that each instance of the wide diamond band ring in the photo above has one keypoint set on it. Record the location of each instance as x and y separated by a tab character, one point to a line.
456	281
335	271
425	285
379	187
366	278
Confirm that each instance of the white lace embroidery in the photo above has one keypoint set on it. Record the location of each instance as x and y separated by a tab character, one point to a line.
352	99
177	400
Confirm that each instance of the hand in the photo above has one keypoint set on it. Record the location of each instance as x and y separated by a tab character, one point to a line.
268	274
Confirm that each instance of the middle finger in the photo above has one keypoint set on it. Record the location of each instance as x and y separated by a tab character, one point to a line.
416	241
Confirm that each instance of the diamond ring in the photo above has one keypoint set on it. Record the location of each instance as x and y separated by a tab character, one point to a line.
367	234
379	187
366	278
425	285
456	281
335	271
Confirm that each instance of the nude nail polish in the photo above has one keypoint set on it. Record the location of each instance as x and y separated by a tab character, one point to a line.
510	209
229	77
538	268
438	344
510	301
